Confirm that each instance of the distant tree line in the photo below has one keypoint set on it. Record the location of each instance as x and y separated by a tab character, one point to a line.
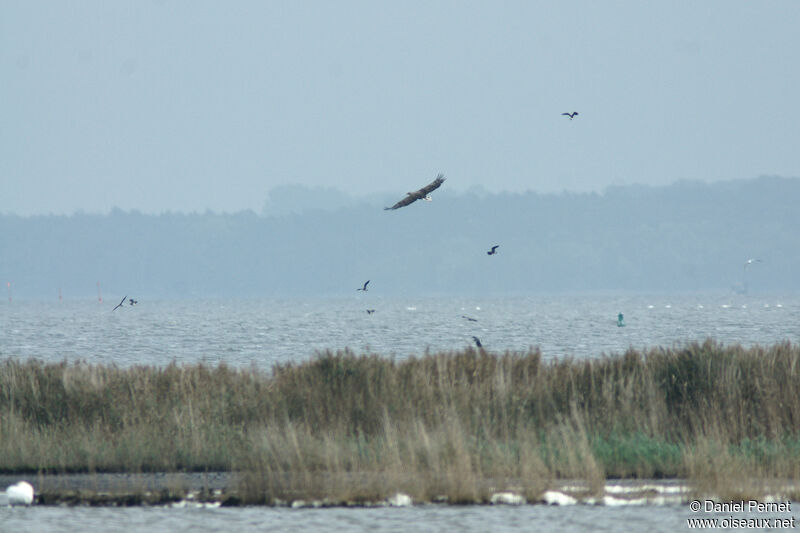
689	236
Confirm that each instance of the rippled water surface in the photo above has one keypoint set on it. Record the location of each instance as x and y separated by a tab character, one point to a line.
434	518
264	332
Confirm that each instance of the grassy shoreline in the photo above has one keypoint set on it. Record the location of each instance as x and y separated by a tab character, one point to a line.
453	425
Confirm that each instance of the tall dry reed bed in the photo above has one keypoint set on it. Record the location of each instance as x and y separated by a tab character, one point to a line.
454	424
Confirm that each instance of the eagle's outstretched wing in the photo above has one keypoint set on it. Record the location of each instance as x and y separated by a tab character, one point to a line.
418	195
402	203
432	186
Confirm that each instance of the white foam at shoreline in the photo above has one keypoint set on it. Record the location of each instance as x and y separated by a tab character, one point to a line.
554	497
400	500
661	489
507	498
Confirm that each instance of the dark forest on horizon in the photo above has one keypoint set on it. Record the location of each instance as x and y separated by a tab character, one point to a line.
688	236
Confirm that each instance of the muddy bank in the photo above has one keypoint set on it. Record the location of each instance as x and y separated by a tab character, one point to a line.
220	488
124	488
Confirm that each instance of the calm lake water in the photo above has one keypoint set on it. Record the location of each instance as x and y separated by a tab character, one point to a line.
433	518
264	332
269	331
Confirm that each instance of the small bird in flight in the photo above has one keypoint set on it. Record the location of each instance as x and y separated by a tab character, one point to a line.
364	288
493	250
133	302
469	318
421	194
750	262
477	341
571	115
370	311
120	303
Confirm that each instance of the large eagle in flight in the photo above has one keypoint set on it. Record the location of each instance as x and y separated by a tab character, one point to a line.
421	194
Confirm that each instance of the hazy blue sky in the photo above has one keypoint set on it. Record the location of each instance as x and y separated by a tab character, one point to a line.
189	105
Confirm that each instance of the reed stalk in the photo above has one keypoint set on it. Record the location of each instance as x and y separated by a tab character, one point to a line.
452	426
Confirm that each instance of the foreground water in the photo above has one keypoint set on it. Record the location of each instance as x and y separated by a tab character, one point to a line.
428	518
264	332
434	518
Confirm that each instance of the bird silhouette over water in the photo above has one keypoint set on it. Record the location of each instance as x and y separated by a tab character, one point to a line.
469	318
477	341
132	301
493	250
571	115
364	288
370	311
121	302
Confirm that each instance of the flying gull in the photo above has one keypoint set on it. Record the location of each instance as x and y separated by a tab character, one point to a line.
133	302
750	262
477	341
120	303
571	115
421	194
493	250
364	288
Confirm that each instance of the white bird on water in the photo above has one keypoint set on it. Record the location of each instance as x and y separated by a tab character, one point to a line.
18	494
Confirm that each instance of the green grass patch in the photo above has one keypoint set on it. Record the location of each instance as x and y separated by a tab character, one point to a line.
637	455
